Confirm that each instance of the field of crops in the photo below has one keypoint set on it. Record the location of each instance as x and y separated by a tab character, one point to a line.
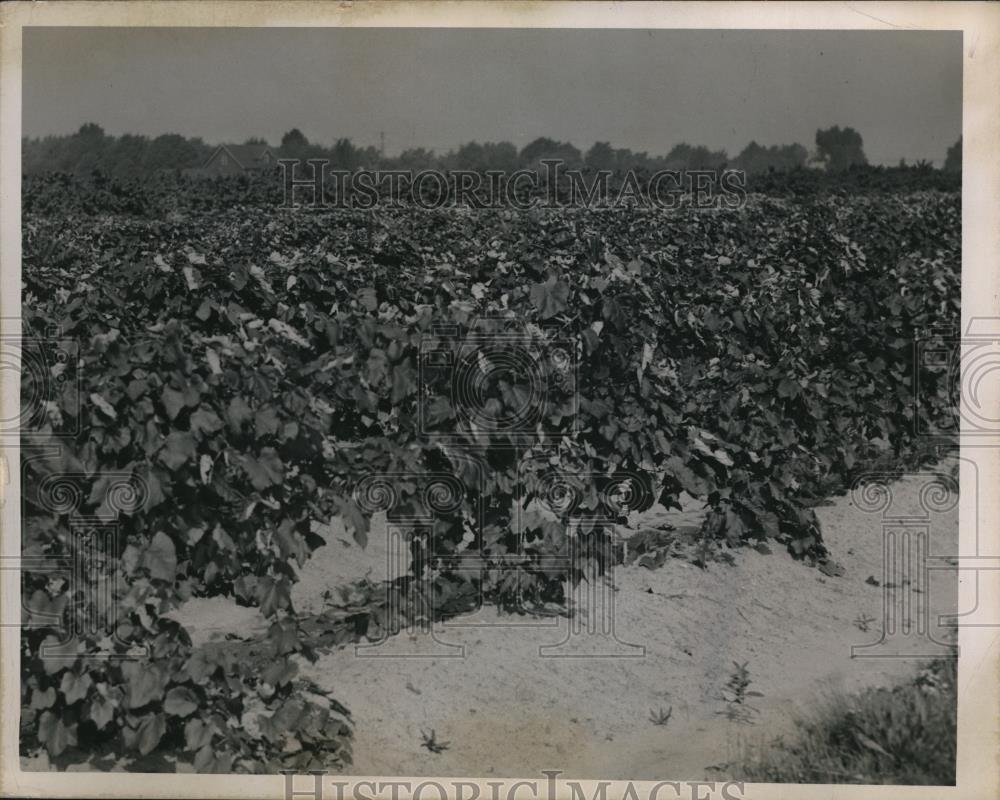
205	383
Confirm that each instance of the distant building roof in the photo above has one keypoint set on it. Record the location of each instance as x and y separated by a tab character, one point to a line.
248	156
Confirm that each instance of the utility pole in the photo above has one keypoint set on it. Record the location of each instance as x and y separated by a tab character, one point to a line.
381	145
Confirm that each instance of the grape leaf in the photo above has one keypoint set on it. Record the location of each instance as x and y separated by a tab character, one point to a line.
145	684
54	734
74	687
151	730
180	702
264	471
101	711
179	447
549	297
205	421
173	401
160	558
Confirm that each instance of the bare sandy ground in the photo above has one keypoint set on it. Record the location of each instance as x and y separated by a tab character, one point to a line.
511	705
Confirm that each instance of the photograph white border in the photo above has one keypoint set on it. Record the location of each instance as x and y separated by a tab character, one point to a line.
978	767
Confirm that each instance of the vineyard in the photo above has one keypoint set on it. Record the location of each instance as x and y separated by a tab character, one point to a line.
206	380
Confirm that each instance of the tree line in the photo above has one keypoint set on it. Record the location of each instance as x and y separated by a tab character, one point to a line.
90	150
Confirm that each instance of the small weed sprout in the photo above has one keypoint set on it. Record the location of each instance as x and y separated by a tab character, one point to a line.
431	742
735	695
661	717
863	622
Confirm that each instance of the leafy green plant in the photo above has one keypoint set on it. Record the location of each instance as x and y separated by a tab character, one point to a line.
234	373
863	622
430	741
736	693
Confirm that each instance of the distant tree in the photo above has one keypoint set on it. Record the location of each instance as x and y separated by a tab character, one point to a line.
755	159
369	157
90	131
544	147
87	163
172	151
294	143
130	156
603	156
343	154
482	157
752	159
791	156
416	159
86	151
538	148
684	156
953	159
840	148
625	159
469	156
256	140
500	156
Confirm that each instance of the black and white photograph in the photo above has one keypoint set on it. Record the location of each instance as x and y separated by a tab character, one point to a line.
574	400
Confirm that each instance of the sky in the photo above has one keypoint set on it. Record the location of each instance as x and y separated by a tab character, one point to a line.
438	88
